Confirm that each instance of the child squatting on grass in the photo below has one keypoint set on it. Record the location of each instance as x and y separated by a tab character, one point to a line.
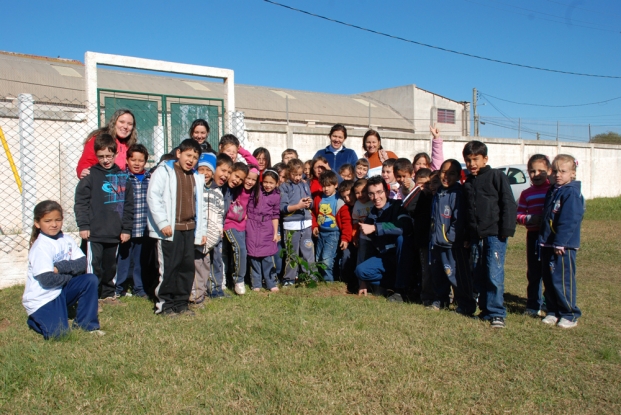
57	278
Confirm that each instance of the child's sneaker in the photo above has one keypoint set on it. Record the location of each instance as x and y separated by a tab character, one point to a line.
240	288
288	284
98	332
434	306
550	319
530	312
567	324
497	323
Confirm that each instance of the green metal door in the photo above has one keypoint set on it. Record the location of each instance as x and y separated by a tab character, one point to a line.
182	116
145	112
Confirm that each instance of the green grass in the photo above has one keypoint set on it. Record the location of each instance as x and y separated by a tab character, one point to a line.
323	351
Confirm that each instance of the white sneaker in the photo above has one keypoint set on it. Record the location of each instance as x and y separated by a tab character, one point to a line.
567	324
534	313
98	332
550	319
240	288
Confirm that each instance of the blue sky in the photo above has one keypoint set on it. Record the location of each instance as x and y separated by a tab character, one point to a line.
272	46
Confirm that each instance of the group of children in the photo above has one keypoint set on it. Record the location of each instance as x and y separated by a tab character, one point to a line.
201	215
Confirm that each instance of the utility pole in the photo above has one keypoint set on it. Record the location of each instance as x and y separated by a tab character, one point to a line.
474	112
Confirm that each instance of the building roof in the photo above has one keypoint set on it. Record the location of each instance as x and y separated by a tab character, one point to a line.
62	80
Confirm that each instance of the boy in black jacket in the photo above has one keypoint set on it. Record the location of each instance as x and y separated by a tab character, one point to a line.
490	220
104	211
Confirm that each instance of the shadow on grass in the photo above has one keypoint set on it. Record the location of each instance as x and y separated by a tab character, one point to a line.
514	303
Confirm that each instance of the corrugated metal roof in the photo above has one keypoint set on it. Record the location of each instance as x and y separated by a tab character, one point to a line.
38	76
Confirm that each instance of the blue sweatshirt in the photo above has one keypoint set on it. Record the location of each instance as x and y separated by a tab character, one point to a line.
336	160
562	216
447	216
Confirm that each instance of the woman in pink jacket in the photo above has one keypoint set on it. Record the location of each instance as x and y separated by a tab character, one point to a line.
122	126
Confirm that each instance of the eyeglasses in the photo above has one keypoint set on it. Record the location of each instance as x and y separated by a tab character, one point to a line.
106	157
373	195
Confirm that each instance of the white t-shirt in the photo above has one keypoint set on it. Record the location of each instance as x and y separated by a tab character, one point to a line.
44	253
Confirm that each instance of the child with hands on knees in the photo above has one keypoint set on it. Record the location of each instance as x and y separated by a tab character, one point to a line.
262	234
57	278
560	239
529	210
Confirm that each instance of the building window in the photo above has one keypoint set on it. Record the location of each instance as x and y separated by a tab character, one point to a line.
446	116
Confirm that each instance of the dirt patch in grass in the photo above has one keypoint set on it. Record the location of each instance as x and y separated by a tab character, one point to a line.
4	324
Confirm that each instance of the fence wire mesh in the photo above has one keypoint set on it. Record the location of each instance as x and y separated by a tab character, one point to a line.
43	139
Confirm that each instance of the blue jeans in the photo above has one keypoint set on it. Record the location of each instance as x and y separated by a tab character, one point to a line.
51	320
559	280
327	246
216	276
130	253
534	299
450	269
302	244
237	241
374	269
488	266
262	268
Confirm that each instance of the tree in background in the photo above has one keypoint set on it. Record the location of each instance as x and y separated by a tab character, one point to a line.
607	138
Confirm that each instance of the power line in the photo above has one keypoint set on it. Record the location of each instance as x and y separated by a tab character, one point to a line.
438	47
539	17
549	106
606	13
559	17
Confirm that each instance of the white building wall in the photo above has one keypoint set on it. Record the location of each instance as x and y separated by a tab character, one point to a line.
58	143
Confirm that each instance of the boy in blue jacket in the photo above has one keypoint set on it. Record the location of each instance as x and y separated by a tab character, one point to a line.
560	239
177	219
448	259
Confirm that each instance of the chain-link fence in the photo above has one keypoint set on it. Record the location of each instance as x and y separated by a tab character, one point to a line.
43	139
528	129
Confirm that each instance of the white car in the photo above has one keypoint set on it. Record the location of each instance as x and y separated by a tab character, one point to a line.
518	178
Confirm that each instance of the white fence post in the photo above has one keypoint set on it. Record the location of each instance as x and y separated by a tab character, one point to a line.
27	159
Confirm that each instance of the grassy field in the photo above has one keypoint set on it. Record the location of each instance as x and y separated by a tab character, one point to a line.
323	351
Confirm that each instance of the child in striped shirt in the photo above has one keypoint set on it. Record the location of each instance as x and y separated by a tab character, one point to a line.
529	213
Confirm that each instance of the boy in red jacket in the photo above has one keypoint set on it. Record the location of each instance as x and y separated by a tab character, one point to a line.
331	224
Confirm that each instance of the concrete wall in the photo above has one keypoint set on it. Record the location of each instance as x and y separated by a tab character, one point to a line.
59	144
597	162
